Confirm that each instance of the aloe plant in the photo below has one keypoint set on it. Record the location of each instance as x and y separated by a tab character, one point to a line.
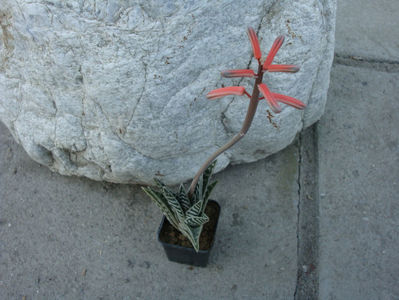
185	210
186	214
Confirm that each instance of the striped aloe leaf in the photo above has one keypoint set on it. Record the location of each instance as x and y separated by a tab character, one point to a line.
184	213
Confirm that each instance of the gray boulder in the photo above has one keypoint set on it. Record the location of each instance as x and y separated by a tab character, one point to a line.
115	90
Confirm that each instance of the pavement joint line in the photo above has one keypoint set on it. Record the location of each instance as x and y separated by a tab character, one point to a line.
384	65
307	285
299	146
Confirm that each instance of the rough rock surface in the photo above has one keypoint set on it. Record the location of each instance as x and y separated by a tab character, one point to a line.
114	90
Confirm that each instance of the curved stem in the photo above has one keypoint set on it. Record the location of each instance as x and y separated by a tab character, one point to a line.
253	105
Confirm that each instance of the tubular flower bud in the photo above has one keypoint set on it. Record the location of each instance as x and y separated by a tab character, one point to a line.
291	101
238	73
282	68
273	51
269	98
226	91
254	43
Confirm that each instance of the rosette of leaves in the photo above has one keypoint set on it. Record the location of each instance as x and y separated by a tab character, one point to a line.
185	213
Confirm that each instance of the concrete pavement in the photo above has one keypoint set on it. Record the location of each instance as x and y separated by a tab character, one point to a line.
358	154
72	238
368	30
359	186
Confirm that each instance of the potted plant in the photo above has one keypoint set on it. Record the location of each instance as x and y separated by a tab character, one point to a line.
186	213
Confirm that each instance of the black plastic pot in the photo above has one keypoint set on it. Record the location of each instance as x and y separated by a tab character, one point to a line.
185	255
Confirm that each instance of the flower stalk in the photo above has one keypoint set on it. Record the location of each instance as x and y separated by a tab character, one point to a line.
253	105
259	87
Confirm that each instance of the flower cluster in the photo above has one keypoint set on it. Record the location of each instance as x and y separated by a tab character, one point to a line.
272	99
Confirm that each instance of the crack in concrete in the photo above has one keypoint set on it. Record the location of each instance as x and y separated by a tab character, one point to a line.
299	145
383	65
307	284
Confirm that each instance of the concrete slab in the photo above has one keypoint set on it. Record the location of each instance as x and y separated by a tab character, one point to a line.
72	238
359	186
368	28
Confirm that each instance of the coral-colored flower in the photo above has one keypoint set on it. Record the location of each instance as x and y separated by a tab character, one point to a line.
283	68
272	99
254	43
269	98
238	73
273	51
289	101
226	91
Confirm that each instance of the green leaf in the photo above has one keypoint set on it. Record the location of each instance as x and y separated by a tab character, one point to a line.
171	199
207	194
196	233
200	191
197	221
195	210
192	234
183	198
162	186
157	198
207	175
174	204
209	190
